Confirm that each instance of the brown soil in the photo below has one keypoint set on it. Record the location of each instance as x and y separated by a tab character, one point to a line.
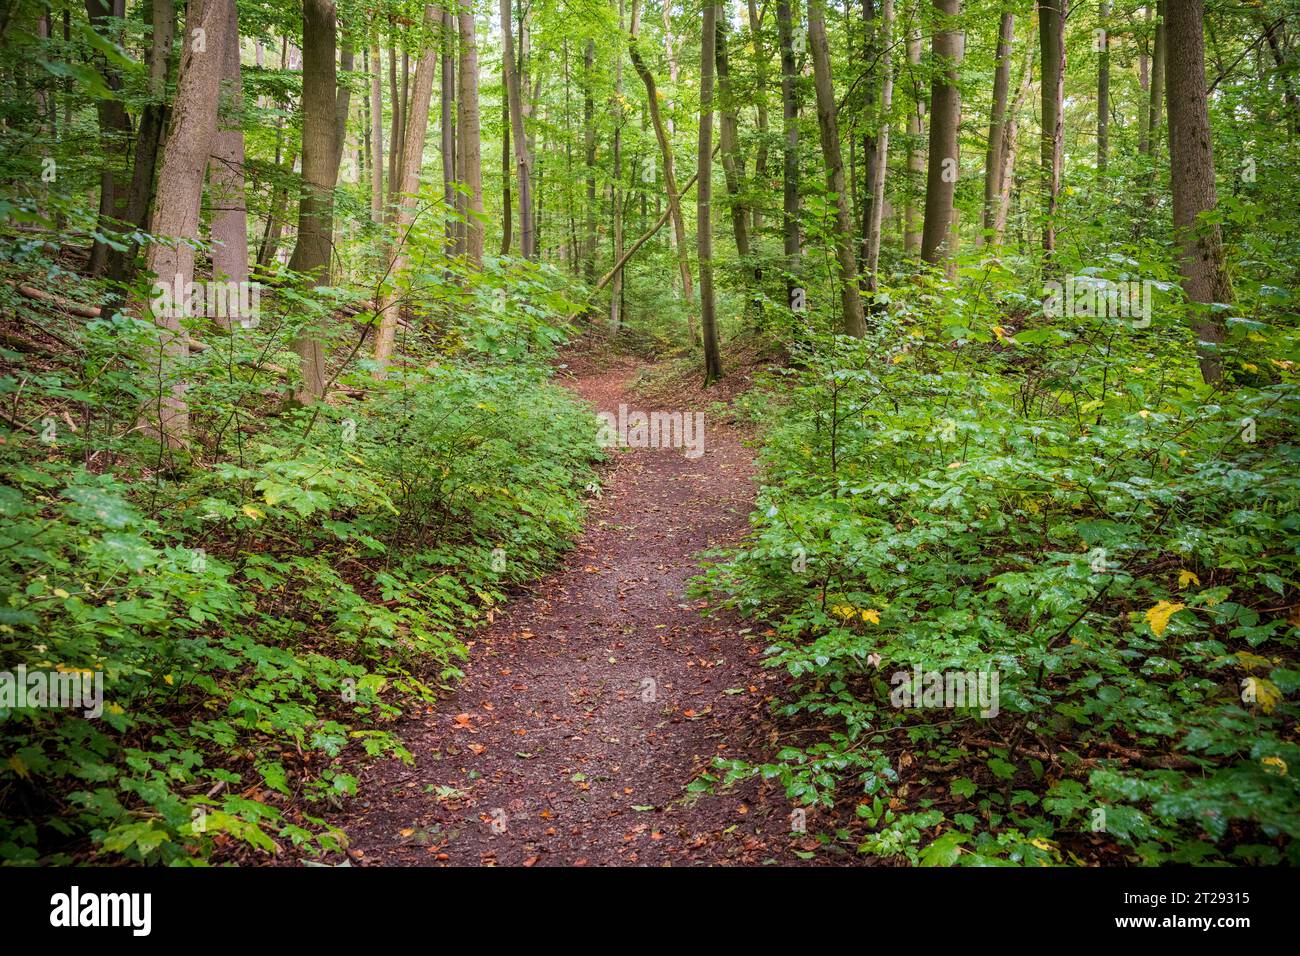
596	697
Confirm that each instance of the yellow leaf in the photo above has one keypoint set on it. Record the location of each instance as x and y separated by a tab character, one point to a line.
1267	693
254	513
1158	616
1275	765
59	592
1144	413
1250	662
844	611
18	767
1187	576
872	615
168	680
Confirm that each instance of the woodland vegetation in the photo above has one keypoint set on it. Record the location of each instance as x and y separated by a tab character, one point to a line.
283	291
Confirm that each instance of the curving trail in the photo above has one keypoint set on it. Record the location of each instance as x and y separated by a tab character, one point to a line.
550	752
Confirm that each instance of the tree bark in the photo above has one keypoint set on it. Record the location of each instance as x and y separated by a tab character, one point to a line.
876	207
997	124
1103	87
1157	89
226	166
944	162
376	135
789	148
1191	176
417	125
469	163
916	154
1051	34
312	253
704	196
192	129
589	156
670	173
114	136
523	159
850	298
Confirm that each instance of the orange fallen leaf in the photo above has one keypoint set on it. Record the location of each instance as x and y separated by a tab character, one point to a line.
477	748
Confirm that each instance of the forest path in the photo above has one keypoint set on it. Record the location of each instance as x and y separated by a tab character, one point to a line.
555	748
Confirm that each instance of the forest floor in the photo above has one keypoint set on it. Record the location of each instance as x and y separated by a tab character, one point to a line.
556	748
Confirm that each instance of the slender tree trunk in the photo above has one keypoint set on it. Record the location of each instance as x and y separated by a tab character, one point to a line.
945	118
760	109
733	164
417	126
1103	87
1051	34
175	217
917	152
312	253
1144	83
704	195
589	143
395	122
789	150
616	207
376	135
997	124
148	140
877	203
850	298
342	102
507	215
1010	148
447	99
1191	168
226	167
1157	80
670	173
469	163
114	133
523	159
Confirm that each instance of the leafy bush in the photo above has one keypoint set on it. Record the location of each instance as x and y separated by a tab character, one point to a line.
978	488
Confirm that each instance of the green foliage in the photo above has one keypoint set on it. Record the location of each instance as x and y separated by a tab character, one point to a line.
978	487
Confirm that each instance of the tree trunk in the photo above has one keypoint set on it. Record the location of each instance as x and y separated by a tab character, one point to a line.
876	206
226	167
916	154
997	125
311	254
417	125
1051	35
945	117
469	166
616	206
733	164
789	149
342	103
446	102
589	156
153	119
114	135
760	108
176	211
850	298
1157	80
1103	87
1191	175
376	135
670	173
1010	148
704	195
523	159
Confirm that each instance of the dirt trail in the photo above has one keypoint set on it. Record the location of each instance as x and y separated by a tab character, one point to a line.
556	748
